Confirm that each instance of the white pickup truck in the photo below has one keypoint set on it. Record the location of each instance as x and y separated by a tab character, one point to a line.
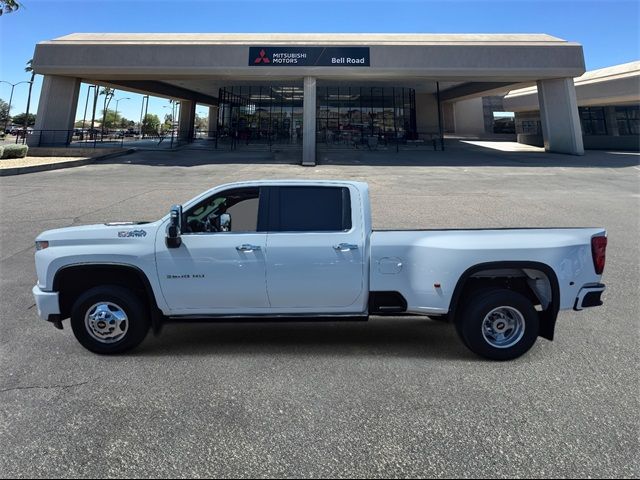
307	250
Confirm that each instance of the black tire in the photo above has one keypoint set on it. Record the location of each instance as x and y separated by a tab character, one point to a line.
138	321
469	324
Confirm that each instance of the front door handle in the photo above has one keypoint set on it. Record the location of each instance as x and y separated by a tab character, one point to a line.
247	248
345	247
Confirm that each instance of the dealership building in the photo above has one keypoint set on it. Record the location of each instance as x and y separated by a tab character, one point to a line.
310	89
608	107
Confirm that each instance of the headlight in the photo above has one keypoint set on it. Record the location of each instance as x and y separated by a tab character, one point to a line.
41	244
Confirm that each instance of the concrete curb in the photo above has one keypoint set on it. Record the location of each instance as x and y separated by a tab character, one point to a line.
5	172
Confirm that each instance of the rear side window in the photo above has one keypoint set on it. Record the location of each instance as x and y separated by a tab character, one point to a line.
310	209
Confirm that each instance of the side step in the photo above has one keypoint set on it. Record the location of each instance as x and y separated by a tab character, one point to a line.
266	319
386	303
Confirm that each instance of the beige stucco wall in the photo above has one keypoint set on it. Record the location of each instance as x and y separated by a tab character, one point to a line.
619	84
469	117
152	56
426	113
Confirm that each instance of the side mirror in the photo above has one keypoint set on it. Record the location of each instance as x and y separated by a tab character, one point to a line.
175	227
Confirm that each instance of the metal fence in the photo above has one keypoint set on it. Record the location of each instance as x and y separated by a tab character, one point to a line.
387	141
230	141
96	139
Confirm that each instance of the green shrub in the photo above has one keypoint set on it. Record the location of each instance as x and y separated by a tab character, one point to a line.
1	150
14	151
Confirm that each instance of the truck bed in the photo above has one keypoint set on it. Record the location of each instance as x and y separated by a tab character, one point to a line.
425	265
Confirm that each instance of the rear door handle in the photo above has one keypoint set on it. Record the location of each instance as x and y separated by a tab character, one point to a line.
345	247
245	247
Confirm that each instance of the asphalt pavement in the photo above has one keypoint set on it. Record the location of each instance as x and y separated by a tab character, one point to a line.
392	397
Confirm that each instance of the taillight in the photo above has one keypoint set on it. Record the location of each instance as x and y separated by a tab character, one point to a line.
598	250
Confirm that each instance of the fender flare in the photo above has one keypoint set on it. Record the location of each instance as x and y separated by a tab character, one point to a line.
156	314
548	317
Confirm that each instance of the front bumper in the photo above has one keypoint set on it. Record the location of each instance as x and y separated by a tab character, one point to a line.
47	303
589	296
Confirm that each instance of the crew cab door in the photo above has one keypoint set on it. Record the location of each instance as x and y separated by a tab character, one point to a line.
216	269
315	250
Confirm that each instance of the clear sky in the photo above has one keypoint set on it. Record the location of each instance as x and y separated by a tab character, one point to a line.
608	29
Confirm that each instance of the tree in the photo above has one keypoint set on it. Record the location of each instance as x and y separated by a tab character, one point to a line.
8	6
108	95
21	119
110	119
202	123
168	122
150	124
4	112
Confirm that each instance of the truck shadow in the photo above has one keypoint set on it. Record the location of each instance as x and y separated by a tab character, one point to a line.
412	337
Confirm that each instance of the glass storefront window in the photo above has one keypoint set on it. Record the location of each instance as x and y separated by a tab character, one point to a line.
530	127
344	114
348	115
628	119
592	120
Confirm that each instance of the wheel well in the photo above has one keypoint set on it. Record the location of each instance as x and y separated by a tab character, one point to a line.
536	281
70	282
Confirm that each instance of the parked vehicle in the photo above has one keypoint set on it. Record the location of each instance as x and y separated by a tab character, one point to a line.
20	133
306	249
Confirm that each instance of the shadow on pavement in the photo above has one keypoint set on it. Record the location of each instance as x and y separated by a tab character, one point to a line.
456	154
408	337
459	154
195	158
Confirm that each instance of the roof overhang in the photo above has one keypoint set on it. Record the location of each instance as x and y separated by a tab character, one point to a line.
186	60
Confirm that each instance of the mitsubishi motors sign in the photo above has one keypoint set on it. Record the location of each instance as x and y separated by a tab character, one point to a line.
309	56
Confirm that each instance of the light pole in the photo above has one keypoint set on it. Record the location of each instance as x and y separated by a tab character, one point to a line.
116	118
13	85
124	98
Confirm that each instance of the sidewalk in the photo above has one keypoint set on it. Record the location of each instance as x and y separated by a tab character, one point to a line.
19	166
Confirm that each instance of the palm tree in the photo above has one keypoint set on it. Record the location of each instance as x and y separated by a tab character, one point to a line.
29	69
8	6
108	95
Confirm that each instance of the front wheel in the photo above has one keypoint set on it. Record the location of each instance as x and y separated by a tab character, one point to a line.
498	324
109	319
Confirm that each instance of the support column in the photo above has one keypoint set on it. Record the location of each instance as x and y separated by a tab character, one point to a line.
187	120
309	123
213	122
559	116
56	111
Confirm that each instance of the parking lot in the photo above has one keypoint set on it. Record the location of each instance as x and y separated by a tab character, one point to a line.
392	397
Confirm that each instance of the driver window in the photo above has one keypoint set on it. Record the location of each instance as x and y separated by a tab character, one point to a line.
244	216
229	211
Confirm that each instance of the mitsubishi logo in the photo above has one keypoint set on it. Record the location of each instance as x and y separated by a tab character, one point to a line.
262	58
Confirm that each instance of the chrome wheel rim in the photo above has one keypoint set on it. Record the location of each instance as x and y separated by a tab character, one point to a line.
503	327
106	322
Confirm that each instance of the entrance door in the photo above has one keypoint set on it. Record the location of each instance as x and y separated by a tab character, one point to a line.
220	266
315	254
